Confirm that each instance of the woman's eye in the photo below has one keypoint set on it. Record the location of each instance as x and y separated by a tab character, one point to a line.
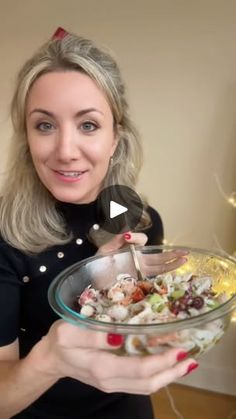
44	126
89	126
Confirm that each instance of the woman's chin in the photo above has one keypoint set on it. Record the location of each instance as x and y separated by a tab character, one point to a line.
74	198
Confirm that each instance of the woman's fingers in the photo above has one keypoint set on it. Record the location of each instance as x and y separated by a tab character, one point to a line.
162	269
114	244
121	240
156	264
111	373
72	336
137	375
164	257
139	239
151	384
111	365
69	336
87	356
151	264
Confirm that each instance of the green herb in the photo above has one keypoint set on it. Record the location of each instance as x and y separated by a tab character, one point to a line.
177	294
155	298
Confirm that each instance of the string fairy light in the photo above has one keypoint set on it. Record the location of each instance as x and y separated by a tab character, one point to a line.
177	412
218	246
233	318
191	266
173	242
167	243
172	403
231	199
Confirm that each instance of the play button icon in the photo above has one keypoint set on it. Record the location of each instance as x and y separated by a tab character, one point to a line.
120	209
116	209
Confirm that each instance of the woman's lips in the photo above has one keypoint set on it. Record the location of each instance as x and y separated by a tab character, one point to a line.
70	176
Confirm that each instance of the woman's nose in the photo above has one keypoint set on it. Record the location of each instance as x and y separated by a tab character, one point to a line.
68	145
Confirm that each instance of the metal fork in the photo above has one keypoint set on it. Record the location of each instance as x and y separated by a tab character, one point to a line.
136	262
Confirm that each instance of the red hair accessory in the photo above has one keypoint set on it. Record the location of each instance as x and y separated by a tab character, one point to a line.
60	33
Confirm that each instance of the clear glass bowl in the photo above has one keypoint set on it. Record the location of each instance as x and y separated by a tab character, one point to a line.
196	334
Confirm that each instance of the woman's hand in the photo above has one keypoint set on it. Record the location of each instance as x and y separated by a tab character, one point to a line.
160	263
87	356
150	264
121	240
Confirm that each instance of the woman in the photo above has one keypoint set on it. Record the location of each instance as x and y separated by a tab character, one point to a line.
72	134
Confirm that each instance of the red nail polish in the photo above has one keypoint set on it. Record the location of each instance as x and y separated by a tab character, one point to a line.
60	33
127	236
181	355
191	367
114	340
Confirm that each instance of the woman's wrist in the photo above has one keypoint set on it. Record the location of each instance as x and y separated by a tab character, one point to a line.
43	362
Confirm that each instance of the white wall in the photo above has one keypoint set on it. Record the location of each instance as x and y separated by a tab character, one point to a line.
179	60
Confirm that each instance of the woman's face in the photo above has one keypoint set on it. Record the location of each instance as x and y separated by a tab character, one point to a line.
70	134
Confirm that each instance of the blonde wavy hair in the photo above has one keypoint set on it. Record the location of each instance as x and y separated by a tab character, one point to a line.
29	220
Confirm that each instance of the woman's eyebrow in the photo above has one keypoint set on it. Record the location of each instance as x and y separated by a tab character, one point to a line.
79	113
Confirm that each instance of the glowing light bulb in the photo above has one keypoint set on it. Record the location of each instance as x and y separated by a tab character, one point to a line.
224	264
167	243
232	199
226	284
233	319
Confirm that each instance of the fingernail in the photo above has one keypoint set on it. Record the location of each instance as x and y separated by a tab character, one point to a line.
191	367
114	340
181	355
60	33
182	252
127	236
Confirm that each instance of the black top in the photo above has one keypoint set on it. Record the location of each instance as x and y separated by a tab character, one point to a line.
25	313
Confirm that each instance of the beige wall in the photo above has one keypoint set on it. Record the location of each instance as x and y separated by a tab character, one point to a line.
179	61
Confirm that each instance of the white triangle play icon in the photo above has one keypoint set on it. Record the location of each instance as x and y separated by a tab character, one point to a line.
116	209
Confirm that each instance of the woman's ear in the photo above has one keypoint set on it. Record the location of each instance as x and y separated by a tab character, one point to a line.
117	133
114	144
